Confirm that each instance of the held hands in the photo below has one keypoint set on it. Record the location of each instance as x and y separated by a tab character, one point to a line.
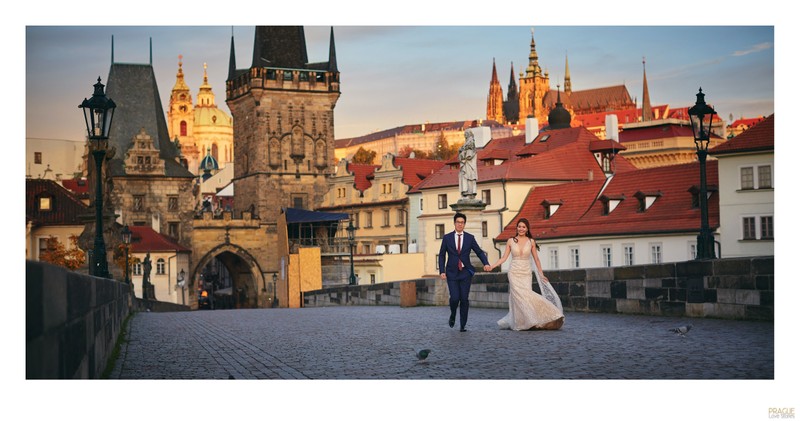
488	268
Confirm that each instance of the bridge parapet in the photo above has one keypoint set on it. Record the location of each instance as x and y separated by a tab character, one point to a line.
737	288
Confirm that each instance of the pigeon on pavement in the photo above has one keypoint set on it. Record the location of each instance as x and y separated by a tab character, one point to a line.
681	330
422	354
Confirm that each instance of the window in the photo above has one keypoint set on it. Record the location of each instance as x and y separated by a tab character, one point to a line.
368	219
766	227
37	157
386	188
371	278
420	204
45	203
137	268
439	230
574	257
757	228
655	253
553	258
173	229
297	202
138	202
160	267
746	175
365	248
401	217
42	246
486	196
484	229
172	203
356	219
627	251
386	217
183	125
692	251
765	177
749	228
606	250
436	259
442	201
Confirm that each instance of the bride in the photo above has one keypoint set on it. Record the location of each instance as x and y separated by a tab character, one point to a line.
526	308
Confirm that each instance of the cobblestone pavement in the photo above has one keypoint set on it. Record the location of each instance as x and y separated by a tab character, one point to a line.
379	343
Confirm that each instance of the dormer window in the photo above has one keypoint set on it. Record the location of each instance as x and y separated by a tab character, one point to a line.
45	203
695	191
610	203
550	207
544	138
646	199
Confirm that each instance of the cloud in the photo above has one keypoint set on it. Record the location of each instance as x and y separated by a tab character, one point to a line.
754	49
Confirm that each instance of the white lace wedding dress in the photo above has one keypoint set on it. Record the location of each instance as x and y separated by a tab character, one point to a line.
526	308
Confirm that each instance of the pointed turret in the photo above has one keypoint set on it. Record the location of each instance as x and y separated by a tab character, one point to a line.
647	110
533	60
205	97
567	79
511	105
332	67
559	117
232	61
280	46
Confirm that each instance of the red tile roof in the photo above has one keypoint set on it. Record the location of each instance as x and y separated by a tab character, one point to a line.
623	116
414	128
144	239
362	173
746	123
66	209
662	131
416	170
760	137
78	186
581	214
564	156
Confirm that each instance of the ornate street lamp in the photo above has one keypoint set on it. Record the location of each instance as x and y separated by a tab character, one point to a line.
701	116
98	112
351	237
274	290
126	238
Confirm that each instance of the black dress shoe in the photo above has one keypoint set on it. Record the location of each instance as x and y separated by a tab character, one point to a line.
452	321
463	329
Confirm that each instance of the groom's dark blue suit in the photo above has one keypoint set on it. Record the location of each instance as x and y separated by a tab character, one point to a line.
459	281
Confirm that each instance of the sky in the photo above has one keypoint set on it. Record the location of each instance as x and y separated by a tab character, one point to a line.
397	75
406	63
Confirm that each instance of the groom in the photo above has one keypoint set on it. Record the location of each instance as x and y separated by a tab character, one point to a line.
458	271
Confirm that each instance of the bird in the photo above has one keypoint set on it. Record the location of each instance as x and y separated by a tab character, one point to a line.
681	330
422	354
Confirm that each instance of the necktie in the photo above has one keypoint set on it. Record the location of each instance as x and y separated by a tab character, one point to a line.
458	251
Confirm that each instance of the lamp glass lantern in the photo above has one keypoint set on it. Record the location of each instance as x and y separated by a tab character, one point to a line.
702	115
126	238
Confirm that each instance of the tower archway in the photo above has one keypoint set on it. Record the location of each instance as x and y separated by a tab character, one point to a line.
231	277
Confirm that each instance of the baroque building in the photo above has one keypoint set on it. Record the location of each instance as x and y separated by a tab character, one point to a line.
198	129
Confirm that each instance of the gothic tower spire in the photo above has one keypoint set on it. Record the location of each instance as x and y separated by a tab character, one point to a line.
232	61
332	67
567	79
511	105
533	60
494	103
647	111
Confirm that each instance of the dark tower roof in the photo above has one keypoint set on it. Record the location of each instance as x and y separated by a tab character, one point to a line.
133	89
332	67
647	110
559	117
232	60
280	46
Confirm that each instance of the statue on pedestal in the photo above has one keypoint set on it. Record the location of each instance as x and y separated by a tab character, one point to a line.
468	173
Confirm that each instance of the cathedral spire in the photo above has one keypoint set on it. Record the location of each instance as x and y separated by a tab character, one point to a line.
512	83
180	82
533	60
494	73
494	103
647	111
567	79
332	67
205	97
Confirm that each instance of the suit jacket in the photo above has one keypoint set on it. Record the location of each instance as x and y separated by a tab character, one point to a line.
448	248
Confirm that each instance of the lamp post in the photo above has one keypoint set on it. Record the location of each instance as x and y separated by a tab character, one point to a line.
351	237
701	116
274	290
126	238
98	112
182	284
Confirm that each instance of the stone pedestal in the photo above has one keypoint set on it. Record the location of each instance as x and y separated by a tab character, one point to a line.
473	210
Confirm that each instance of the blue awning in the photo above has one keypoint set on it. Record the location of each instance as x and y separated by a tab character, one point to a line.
295	216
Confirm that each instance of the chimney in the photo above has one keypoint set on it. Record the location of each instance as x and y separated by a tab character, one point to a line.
531	129
612	127
481	134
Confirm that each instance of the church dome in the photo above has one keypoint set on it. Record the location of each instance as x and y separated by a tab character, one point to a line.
209	163
211	117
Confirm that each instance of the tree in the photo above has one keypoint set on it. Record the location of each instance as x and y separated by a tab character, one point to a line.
363	156
443	150
407	150
57	254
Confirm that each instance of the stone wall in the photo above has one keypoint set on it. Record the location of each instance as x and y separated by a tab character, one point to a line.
740	288
72	322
